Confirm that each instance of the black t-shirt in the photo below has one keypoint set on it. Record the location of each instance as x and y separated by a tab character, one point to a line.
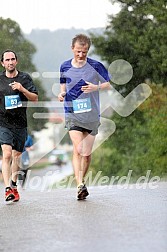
14	117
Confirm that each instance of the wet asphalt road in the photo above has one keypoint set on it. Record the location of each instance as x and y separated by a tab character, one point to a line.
111	219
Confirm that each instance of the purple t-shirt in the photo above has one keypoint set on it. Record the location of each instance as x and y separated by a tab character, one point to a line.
78	105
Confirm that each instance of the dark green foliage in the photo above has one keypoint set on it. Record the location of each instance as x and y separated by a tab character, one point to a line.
137	34
139	142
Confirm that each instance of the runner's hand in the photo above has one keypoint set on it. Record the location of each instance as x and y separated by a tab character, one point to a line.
61	96
90	87
16	85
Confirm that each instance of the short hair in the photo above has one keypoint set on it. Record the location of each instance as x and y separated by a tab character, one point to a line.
8	50
82	39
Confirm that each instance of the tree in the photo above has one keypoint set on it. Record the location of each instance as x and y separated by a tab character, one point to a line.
138	34
12	38
154	110
139	142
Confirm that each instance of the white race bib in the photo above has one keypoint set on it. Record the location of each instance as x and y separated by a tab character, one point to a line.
12	101
82	105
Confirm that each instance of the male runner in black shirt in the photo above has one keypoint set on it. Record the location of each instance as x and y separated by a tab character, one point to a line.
16	88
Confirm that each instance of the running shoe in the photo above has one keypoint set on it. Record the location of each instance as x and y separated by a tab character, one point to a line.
82	192
16	194
9	195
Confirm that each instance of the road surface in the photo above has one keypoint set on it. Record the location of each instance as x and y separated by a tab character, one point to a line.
111	219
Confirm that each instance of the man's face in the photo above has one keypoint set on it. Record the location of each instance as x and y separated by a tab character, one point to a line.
9	61
80	52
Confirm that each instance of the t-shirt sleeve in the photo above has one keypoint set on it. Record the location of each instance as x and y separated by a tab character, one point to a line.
62	76
29	85
103	74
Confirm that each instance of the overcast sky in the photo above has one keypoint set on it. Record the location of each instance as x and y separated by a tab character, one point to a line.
57	14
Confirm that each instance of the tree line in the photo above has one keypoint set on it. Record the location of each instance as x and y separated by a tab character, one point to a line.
137	34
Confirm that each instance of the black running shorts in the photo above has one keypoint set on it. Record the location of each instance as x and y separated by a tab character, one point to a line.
91	128
13	137
80	129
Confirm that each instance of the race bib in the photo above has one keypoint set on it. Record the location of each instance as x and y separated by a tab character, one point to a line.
82	105
12	101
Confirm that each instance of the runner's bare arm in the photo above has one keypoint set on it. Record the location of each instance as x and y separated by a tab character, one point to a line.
62	92
30	96
92	87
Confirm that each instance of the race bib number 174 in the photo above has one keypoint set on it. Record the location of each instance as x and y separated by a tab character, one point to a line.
82	105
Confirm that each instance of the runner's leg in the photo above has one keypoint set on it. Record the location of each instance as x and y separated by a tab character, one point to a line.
82	147
15	164
6	162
